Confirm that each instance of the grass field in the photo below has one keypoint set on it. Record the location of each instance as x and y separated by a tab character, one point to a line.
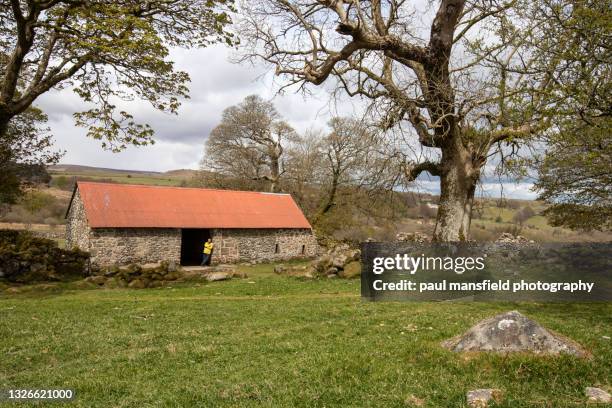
160	180
66	172
276	341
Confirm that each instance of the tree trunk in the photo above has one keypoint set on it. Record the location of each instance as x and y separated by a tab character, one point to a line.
4	126
330	198
274	173
458	178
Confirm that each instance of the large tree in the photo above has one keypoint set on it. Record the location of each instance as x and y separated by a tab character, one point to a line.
249	143
456	84
106	50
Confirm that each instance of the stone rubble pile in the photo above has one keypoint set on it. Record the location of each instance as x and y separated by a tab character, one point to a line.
302	271
417	237
156	275
25	258
507	238
136	276
340	261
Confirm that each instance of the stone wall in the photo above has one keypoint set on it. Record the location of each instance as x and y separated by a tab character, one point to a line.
77	229
148	245
58	232
123	246
234	245
54	232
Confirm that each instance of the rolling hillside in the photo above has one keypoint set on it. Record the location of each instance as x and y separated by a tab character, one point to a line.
69	172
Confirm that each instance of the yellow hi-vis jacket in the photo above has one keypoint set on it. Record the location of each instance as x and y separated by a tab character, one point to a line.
208	247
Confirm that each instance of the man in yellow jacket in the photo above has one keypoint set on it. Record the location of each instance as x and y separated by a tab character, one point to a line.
207	252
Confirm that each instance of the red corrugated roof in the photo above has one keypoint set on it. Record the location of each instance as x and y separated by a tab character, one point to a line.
122	205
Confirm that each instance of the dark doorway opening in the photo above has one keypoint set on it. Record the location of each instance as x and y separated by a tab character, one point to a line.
192	243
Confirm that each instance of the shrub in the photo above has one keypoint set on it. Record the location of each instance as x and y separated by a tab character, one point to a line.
37	207
26	258
482	235
514	204
523	215
34	201
62	182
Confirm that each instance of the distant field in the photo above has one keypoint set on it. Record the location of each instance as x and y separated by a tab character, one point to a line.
161	179
536	228
171	178
273	341
149	180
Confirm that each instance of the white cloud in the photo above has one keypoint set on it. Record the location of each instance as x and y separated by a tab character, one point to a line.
520	190
215	84
509	190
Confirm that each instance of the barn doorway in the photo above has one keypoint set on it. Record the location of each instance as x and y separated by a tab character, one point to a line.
192	243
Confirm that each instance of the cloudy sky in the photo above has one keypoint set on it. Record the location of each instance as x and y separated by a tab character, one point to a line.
216	83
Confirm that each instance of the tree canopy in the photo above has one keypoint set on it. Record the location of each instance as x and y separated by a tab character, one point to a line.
25	151
572	44
107	51
249	143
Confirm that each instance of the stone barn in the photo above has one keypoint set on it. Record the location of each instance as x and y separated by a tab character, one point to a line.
122	224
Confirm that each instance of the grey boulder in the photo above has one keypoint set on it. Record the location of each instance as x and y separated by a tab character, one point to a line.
598	395
218	276
480	398
513	332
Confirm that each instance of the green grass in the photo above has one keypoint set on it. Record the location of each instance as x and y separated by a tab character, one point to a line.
492	212
280	342
539	221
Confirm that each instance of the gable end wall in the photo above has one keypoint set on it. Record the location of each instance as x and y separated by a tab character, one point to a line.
77	228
